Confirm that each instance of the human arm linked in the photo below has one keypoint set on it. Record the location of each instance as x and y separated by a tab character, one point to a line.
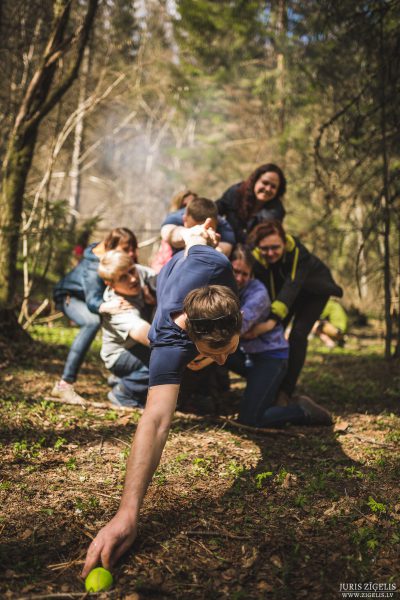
259	329
141	333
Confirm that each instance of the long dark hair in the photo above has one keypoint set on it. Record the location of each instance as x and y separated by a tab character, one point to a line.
246	199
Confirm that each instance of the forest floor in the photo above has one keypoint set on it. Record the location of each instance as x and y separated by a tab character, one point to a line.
230	514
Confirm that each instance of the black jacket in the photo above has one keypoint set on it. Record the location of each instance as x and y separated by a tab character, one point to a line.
298	270
228	207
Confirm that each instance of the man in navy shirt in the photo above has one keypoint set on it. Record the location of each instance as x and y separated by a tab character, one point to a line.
198	313
196	212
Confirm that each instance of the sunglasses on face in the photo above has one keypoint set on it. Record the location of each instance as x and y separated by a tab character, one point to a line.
268	248
209	325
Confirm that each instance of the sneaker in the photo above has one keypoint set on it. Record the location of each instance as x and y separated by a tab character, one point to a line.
119	397
113	380
315	412
65	391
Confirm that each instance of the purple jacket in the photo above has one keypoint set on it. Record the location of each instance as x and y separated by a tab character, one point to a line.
256	305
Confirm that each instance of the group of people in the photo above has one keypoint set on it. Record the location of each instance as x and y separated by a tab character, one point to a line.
225	284
277	281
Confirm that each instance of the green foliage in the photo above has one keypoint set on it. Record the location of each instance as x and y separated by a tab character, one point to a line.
376	507
261	479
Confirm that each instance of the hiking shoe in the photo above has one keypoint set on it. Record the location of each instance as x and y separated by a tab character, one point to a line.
316	414
119	397
113	380
65	391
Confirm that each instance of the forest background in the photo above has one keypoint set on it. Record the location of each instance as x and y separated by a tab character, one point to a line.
109	108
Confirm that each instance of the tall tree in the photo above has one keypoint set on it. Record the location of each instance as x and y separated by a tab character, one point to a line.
46	87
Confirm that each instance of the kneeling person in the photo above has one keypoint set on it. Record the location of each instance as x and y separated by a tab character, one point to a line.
125	346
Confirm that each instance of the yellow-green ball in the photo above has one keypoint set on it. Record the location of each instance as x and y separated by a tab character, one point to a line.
98	580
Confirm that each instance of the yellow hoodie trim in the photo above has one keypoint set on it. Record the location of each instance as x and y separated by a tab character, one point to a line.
290	243
260	258
279	309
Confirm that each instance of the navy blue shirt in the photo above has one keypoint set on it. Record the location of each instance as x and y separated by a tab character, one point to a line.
172	348
223	227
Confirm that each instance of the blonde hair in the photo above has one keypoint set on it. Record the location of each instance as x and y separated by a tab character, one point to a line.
181	199
113	265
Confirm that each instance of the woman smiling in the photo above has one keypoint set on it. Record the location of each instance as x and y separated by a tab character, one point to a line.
256	199
299	285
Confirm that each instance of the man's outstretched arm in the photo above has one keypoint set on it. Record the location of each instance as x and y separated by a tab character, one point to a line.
119	534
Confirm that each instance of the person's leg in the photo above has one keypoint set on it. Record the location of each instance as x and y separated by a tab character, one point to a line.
257	406
131	390
263	380
89	324
307	310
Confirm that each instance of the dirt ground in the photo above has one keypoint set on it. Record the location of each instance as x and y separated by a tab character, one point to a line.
230	514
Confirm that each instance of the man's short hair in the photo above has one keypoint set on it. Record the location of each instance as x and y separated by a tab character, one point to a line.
212	315
201	209
113	265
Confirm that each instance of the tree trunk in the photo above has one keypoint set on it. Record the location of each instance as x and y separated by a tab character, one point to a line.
18	163
386	200
39	99
75	171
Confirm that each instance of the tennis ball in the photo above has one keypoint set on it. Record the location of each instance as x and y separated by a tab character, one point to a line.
98	580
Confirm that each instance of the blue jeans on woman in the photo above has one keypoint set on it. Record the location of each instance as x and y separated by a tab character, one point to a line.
264	378
89	323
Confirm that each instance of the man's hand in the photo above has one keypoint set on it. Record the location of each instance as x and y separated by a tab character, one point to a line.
201	234
115	306
110	543
259	329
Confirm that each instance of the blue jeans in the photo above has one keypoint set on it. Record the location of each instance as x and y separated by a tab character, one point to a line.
133	371
76	310
264	378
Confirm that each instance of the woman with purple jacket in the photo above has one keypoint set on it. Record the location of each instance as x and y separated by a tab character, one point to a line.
262	360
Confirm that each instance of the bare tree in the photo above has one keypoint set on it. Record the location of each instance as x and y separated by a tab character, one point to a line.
41	96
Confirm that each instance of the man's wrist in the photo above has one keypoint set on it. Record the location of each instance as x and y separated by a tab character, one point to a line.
129	513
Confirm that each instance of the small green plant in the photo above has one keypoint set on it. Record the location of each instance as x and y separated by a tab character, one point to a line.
111	415
23	449
281	476
261	478
159	477
376	507
71	464
201	466
5	485
59	443
181	457
352	472
86	506
47	511
366	537
317	484
234	468
393	436
300	501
